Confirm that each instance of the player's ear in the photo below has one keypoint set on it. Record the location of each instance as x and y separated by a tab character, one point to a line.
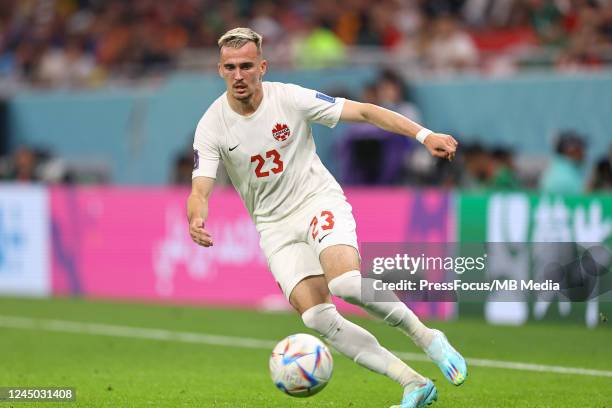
263	67
219	69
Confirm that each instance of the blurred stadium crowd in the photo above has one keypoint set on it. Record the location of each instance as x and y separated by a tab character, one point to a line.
88	42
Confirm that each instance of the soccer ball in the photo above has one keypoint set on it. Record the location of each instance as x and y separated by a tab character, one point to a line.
301	365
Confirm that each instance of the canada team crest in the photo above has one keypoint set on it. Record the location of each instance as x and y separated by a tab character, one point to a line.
281	132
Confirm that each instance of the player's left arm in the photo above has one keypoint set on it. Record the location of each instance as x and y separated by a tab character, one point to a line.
197	210
438	144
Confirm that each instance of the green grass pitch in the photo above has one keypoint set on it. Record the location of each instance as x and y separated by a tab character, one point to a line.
115	371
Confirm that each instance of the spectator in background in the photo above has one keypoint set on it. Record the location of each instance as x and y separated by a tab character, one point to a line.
264	21
24	165
316	47
183	167
587	42
378	27
480	13
67	66
489	169
420	171
370	93
372	156
435	8
40	165
392	93
546	19
449	48
132	39
504	173
605	27
477	164
601	179
564	174
21	166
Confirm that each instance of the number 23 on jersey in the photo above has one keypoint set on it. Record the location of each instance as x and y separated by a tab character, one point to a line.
276	166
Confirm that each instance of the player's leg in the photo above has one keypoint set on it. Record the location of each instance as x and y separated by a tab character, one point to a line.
297	270
341	265
418	390
311	298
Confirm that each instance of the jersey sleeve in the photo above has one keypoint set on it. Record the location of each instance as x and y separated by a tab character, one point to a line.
316	106
205	152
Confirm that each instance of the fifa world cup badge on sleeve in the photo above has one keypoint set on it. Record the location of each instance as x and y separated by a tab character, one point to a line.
326	98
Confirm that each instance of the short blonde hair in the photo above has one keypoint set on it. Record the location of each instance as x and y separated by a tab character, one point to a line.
238	37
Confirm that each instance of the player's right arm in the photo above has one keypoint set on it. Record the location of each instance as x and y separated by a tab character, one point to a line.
206	158
197	210
438	144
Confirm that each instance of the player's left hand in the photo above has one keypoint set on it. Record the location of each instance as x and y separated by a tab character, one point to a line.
441	145
199	235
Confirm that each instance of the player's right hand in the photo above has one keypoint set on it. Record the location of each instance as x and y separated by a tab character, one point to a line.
441	145
198	234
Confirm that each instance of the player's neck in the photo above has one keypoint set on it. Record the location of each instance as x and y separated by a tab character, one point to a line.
248	106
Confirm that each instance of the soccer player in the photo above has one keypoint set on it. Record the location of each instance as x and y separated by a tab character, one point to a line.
261	131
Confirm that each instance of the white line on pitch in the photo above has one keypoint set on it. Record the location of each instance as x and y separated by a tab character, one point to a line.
201	338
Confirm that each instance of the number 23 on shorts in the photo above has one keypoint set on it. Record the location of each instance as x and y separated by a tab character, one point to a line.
327	223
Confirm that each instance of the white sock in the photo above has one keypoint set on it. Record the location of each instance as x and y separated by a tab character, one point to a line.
357	343
348	286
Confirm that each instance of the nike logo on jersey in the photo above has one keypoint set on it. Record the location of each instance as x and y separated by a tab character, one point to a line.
323	237
232	148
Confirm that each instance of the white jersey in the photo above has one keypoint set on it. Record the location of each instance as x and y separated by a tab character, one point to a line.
269	155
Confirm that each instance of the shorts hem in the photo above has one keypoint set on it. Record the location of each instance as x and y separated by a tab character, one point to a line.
339	241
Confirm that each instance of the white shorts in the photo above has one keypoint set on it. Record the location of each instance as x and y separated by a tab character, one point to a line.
293	245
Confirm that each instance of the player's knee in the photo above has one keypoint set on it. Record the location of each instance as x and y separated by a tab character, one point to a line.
322	318
347	287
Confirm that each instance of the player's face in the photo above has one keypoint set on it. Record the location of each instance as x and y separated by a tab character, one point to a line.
242	69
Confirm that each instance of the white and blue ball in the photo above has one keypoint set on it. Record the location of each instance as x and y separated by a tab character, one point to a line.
301	365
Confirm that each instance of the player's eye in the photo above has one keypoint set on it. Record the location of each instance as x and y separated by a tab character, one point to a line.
229	67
